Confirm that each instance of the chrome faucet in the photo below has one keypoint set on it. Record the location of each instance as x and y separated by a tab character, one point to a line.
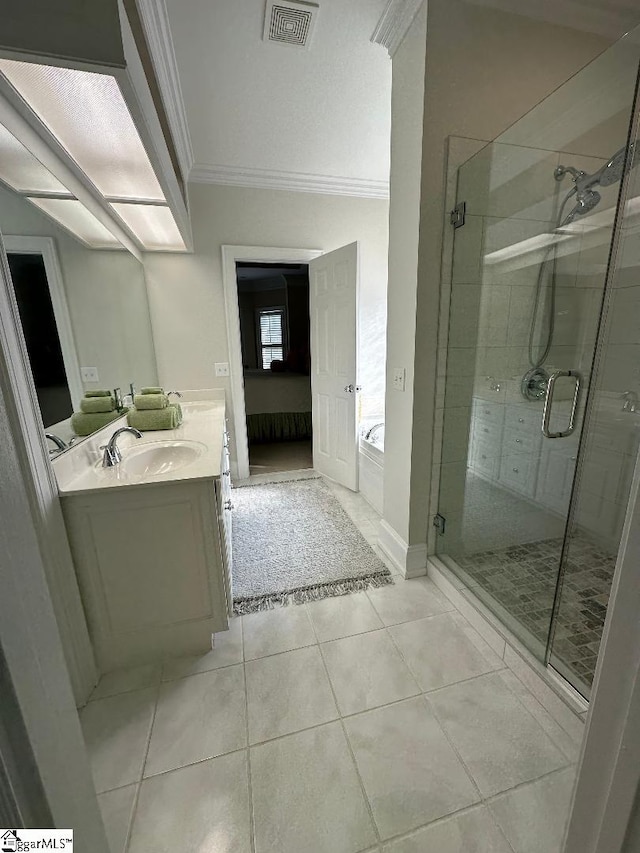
112	453
369	434
59	443
177	393
630	401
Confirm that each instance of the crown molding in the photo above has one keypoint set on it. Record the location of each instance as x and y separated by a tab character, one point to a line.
290	181
394	23
155	21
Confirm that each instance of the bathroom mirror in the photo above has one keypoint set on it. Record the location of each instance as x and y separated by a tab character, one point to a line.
84	314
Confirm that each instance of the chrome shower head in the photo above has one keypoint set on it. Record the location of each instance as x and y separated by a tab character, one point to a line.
612	171
587	197
608	174
586	201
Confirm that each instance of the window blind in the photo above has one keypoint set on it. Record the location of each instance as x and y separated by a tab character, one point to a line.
271	337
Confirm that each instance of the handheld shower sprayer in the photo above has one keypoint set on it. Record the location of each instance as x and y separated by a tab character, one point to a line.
586	197
586	200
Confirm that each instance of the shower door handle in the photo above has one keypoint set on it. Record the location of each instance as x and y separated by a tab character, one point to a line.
548	402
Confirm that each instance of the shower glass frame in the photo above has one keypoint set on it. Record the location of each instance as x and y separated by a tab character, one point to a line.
507	493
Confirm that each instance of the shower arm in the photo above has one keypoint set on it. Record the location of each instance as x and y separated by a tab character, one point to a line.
560	171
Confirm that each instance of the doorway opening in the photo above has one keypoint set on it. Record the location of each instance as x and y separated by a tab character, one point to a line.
36	310
43	317
40	332
333	344
273	304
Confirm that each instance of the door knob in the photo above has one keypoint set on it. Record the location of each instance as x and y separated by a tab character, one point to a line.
350	388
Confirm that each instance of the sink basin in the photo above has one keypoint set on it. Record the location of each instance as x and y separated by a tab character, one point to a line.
161	457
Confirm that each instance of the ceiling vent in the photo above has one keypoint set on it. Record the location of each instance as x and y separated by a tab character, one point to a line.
290	22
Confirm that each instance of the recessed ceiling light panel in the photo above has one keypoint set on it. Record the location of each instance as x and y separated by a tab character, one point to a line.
88	115
153	225
290	22
22	171
74	216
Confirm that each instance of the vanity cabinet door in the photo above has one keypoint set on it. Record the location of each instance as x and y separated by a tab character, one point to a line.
555	478
149	566
518	472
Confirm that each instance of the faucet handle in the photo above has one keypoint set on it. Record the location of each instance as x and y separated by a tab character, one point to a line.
112	454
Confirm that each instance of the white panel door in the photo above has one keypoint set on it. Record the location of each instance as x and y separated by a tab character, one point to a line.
333	301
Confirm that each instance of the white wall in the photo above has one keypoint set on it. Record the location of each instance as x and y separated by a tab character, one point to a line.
484	69
107	298
404	221
186	293
276	392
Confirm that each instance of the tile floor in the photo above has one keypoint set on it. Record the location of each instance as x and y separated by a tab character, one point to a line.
516	565
379	721
522	578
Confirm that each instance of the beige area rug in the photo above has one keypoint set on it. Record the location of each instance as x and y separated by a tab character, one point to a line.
293	542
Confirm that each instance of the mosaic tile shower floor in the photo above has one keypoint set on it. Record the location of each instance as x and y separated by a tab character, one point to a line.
523	578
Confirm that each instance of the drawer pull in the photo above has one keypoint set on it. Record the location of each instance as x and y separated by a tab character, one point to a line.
518	441
516	470
521	420
487	411
484	429
484	455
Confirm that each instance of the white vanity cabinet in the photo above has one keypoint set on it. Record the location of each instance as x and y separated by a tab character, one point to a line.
507	448
486	438
521	443
505	445
153	554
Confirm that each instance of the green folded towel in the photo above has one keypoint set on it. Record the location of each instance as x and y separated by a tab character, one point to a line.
151	401
152	389
101	393
178	409
152	419
83	424
93	405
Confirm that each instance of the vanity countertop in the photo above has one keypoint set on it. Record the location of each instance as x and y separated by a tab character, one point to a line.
80	471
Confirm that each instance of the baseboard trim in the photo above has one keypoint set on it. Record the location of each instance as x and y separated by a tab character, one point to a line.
409	560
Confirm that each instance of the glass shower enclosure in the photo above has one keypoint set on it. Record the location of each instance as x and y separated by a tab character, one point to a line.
541	416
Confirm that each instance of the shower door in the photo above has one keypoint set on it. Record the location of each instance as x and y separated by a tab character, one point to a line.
528	281
609	451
